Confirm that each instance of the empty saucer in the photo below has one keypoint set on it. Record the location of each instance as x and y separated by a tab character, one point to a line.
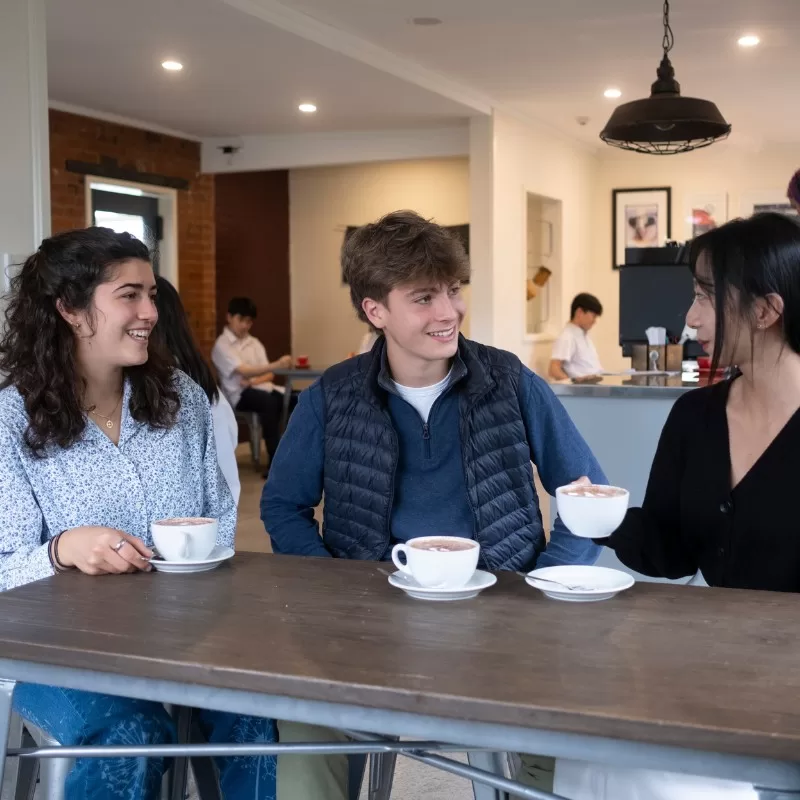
582	584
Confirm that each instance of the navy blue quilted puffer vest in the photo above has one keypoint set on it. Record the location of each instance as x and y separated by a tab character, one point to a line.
361	454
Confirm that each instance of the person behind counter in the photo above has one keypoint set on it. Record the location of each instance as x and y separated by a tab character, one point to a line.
574	354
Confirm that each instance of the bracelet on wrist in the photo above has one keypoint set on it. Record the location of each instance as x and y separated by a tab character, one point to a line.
53	553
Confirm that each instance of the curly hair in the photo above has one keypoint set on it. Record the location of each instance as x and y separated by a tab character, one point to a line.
38	347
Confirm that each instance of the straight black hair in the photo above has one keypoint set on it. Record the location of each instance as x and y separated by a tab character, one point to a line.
243	307
174	334
586	302
754	257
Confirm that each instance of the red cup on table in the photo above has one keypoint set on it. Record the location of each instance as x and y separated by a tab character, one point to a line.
301	362
704	362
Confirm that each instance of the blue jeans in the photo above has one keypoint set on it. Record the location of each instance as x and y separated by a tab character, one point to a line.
75	718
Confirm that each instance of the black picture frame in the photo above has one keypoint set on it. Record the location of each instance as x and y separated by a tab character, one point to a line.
660	196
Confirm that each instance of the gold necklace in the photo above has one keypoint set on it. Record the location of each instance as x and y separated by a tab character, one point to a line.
109	422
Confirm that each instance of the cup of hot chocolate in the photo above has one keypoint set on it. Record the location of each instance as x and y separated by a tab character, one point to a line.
184	538
446	562
591	510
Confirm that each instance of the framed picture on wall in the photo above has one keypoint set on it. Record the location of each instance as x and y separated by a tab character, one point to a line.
640	218
705	211
768	200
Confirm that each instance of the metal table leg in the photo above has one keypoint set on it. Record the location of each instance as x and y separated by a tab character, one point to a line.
287	400
180	766
6	694
491	762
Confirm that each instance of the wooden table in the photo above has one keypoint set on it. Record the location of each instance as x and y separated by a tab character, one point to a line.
701	680
289	376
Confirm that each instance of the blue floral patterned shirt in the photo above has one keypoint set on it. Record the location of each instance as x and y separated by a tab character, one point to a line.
151	474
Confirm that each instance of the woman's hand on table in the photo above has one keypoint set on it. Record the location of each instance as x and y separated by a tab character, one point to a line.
96	550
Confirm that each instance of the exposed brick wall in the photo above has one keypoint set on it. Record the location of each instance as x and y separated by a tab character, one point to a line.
73	137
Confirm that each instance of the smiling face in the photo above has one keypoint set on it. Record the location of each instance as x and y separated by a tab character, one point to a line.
115	330
421	323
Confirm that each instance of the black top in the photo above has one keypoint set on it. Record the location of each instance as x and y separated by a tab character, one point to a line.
747	538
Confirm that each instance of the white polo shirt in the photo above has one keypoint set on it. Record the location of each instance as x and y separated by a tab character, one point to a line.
576	352
229	353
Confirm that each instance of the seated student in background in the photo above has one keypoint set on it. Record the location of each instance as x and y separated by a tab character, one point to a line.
99	437
245	371
176	336
721	498
427	432
574	354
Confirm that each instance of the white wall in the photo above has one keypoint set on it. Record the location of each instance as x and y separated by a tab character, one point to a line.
723	167
322	203
526	159
24	157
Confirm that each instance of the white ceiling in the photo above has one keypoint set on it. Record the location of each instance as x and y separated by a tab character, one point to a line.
241	75
548	59
552	59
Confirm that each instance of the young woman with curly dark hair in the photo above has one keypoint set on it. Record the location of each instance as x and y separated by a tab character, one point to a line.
99	437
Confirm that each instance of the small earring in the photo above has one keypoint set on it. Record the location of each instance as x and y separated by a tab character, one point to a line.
760	326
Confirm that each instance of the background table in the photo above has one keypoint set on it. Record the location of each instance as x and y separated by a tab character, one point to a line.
289	376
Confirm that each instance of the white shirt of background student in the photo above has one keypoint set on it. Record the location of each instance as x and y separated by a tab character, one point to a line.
226	438
241	360
574	354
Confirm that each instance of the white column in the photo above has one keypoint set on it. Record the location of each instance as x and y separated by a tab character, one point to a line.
24	140
481	229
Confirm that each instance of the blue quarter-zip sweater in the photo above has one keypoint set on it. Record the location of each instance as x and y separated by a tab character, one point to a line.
466	472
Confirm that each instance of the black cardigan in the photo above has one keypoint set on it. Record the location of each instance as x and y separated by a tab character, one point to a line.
748	538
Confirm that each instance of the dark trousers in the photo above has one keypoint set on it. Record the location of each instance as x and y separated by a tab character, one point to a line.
268	406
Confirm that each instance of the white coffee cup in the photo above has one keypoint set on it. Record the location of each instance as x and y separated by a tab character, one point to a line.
184	538
445	562
592	511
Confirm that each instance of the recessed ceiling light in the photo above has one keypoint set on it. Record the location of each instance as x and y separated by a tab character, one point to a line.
307	108
612	94
750	40
172	66
426	22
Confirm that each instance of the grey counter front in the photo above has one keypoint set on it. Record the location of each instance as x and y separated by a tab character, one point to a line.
621	418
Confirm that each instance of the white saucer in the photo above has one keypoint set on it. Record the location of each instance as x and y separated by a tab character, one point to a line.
477	583
218	555
597	583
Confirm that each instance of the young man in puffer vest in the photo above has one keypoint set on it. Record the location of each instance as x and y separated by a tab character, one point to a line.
427	433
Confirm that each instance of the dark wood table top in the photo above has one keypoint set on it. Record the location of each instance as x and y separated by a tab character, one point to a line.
704	668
